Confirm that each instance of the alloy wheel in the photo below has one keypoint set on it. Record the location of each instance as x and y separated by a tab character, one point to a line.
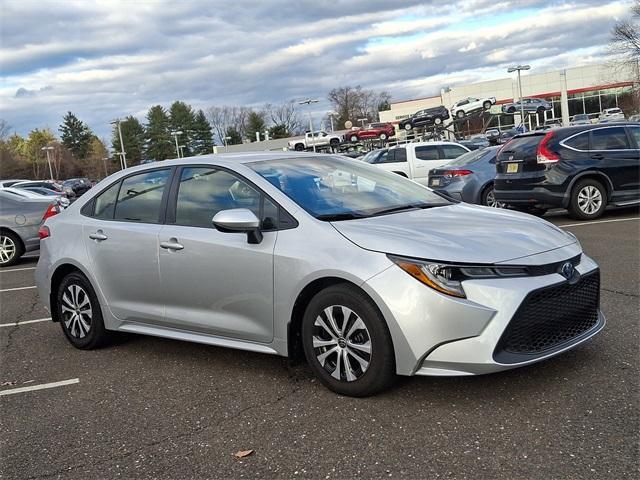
341	343
7	249
76	311
589	199
491	200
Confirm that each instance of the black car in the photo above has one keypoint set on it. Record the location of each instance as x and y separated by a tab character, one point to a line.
581	168
428	116
78	185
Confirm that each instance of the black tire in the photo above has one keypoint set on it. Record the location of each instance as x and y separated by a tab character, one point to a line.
437	121
540	110
299	147
380	373
75	330
576	203
354	138
460	114
511	110
485	197
11	248
408	127
334	142
383	136
486	105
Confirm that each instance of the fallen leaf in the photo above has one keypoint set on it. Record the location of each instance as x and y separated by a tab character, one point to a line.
243	453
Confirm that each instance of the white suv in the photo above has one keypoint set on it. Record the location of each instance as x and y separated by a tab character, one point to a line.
471	104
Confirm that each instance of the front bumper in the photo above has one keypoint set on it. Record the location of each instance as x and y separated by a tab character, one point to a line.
434	334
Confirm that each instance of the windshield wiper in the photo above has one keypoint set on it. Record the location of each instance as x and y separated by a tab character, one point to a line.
400	208
334	217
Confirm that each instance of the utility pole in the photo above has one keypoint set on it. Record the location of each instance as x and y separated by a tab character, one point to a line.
123	158
309	101
175	136
518	68
47	149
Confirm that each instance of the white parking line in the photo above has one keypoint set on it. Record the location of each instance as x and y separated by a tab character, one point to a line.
42	386
15	324
16	269
17	288
598	221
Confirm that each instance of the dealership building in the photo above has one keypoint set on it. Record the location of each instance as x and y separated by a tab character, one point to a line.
579	90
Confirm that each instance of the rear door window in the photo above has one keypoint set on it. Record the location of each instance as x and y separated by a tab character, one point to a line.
452	151
635	132
105	203
140	197
427	152
614	138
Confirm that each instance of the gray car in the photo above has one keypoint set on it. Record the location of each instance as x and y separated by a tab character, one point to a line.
469	177
529	105
363	272
20	218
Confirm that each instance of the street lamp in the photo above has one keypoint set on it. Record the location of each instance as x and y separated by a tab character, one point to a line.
181	155
123	158
309	101
175	134
518	68
47	149
332	114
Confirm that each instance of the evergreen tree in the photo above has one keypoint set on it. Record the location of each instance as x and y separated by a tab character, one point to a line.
255	124
234	136
279	131
182	119
76	136
202	136
132	137
159	142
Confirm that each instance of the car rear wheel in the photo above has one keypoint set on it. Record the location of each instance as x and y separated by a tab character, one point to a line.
347	343
460	114
489	198
354	138
10	249
299	147
437	121
79	312
486	105
588	200
408	126
383	136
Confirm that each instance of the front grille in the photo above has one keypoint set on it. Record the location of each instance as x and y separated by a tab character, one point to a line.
550	318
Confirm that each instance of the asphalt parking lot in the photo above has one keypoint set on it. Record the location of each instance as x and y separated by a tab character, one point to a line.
154	408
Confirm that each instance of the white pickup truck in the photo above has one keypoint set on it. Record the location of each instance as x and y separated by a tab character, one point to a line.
319	139
414	160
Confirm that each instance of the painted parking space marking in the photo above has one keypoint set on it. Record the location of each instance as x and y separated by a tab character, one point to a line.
17	269
42	386
598	221
17	288
17	324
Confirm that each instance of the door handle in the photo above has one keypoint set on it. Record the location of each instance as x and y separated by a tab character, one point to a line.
99	236
597	156
171	245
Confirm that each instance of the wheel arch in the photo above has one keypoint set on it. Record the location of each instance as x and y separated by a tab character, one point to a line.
590	174
61	271
483	189
13	232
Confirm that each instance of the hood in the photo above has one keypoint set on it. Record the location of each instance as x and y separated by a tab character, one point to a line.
456	233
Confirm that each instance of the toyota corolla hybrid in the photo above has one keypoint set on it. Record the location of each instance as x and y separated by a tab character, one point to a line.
365	273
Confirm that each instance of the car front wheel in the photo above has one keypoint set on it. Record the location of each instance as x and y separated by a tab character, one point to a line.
408	127
460	114
486	105
588	200
354	138
437	121
347	343
79	312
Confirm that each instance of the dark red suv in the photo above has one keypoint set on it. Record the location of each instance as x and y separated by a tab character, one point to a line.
382	131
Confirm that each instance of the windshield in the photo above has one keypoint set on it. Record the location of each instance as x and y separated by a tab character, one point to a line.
333	188
472	156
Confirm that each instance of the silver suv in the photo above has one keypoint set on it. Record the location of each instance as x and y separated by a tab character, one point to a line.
365	273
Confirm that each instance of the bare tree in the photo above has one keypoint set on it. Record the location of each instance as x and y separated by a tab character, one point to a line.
5	129
284	114
352	103
625	39
224	118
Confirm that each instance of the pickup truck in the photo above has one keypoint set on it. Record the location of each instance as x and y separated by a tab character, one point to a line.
319	139
414	160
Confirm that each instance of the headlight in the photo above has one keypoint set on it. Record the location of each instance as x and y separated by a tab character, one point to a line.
448	278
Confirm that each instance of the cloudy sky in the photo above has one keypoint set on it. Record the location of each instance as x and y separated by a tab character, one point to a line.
104	59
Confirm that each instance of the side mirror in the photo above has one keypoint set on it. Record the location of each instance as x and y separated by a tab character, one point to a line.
239	220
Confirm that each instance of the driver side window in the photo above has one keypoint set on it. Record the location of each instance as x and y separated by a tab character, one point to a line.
204	191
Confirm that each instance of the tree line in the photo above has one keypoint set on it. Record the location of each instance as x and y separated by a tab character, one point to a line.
79	152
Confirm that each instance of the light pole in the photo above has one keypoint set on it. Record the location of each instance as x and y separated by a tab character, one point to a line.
518	68
47	149
175	134
331	115
309	101
106	172
123	158
181	151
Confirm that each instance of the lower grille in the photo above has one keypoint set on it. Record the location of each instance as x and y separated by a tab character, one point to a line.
550	318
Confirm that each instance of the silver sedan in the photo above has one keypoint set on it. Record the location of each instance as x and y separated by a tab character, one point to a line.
363	272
